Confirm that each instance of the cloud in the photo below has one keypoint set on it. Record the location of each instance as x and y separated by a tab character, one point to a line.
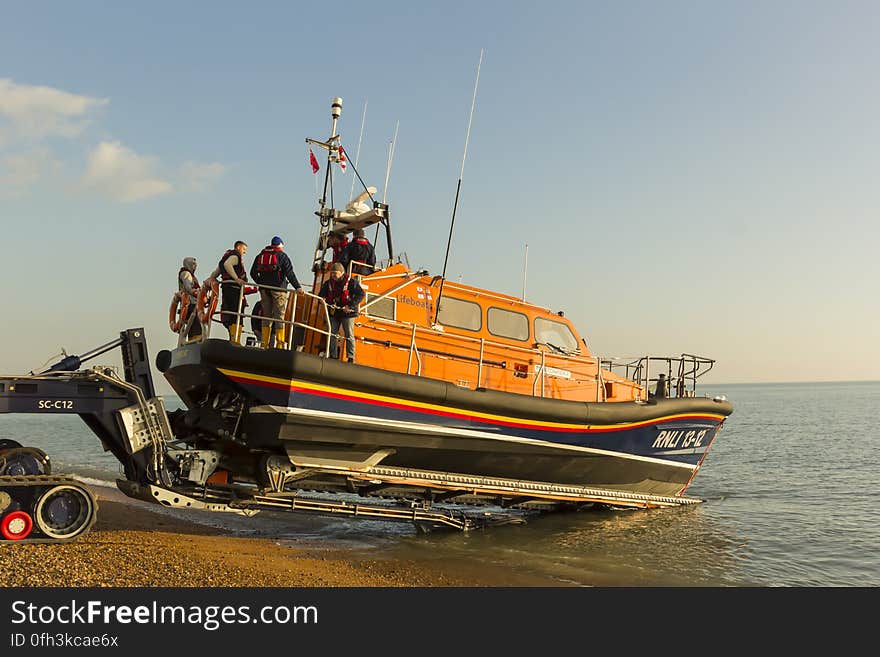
122	174
33	112
199	177
20	172
30	114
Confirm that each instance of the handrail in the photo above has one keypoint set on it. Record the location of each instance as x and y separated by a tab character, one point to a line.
358	262
481	360
413	349
286	322
690	368
396	288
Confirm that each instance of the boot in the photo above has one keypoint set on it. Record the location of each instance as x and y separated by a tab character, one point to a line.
264	338
235	333
279	338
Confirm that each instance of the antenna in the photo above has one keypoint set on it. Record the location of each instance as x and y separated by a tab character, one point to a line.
357	157
458	188
525	270
391	146
390	158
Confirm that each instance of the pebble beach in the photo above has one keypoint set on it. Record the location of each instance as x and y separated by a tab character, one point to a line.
132	544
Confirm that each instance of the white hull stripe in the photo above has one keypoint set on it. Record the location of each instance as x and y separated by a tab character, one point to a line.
418	427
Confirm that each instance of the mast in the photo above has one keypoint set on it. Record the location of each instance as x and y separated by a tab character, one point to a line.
324	213
330	218
336	112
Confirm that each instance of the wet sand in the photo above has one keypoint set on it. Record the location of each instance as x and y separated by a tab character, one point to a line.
135	543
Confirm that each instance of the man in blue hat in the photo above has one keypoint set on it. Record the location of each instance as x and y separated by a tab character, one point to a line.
272	267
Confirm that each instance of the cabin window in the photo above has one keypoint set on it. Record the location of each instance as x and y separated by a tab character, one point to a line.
507	324
385	308
555	334
460	314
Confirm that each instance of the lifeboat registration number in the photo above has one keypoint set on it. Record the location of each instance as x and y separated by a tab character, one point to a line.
59	404
668	439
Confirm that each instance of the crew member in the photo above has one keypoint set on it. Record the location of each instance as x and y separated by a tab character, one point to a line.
232	275
361	251
273	268
188	284
337	242
662	390
342	294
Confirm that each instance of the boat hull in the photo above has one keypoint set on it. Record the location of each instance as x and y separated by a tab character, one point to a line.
326	413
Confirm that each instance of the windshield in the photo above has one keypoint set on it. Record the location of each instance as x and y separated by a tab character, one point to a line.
555	334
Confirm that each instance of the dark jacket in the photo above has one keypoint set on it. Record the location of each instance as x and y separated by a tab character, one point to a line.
360	250
276	275
335	296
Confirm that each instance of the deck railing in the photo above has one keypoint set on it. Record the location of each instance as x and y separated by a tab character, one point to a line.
680	373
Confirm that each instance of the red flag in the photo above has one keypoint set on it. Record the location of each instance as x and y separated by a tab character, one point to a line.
313	161
342	159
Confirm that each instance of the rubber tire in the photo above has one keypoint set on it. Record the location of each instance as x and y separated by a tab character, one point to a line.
78	526
256	323
39	459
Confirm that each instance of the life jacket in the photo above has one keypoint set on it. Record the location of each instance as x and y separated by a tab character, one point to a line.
337	292
360	250
180	282
239	268
365	247
267	264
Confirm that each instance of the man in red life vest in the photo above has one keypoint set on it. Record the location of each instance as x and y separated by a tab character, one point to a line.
343	295
230	269
337	242
188	284
360	250
272	267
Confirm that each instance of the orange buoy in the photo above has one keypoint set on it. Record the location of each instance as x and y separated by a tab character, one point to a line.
206	304
175	321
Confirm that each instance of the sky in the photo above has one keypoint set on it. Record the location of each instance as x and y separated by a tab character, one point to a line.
695	177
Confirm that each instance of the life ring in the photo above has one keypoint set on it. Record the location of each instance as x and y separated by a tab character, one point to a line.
206	304
175	321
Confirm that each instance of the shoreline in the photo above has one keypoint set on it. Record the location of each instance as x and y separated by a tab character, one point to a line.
137	544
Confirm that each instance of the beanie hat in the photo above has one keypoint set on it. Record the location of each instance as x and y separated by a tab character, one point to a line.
277	241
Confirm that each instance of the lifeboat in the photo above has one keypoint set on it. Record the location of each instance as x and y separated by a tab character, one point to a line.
450	381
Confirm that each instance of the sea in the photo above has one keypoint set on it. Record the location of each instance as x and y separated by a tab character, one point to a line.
790	490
